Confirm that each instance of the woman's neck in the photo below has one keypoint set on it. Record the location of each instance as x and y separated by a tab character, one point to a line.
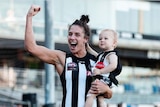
80	54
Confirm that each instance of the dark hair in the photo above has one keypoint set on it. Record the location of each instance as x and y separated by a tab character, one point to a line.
83	23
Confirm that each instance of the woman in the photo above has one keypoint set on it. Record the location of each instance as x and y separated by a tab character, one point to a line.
71	68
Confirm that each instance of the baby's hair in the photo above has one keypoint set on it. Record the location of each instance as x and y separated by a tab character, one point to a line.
114	35
83	23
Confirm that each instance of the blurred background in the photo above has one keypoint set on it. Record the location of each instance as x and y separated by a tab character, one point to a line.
138	28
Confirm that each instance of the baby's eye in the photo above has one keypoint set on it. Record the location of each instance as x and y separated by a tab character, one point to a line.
100	38
105	38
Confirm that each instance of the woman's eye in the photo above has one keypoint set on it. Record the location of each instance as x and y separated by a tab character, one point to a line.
69	34
77	34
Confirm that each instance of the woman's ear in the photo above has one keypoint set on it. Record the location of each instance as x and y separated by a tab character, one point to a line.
86	39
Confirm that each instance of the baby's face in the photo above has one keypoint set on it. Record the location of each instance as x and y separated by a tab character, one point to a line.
106	40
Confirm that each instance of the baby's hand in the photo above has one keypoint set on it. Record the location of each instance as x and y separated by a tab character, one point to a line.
96	72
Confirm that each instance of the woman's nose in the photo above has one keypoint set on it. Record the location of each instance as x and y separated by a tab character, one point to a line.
72	36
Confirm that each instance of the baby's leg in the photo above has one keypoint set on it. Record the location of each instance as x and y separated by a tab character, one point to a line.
101	101
90	100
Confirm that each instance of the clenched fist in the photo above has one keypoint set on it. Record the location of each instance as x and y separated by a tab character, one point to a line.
34	9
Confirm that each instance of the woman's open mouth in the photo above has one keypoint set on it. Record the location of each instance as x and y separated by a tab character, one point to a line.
73	45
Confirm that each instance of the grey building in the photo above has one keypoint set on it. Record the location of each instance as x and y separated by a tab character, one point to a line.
136	23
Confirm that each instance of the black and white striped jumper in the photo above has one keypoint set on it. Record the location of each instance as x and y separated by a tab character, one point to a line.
76	79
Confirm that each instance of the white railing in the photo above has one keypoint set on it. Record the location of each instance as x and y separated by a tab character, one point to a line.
24	78
16	77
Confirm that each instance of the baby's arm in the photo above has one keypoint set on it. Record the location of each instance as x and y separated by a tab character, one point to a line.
90	50
113	61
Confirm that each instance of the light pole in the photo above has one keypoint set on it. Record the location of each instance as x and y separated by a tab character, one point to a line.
49	43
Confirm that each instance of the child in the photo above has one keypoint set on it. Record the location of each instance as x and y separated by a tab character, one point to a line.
107	65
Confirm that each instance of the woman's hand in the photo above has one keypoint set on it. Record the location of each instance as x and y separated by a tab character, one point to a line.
34	9
99	87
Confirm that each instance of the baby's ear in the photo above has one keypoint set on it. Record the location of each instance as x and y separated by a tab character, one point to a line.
115	44
87	40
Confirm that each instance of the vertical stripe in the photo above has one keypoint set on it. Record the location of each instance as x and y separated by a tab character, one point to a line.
88	77
63	81
75	76
82	81
68	77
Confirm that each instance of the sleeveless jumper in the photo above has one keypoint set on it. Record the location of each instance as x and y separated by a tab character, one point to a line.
76	79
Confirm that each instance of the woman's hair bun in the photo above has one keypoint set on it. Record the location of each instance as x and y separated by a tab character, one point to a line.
84	18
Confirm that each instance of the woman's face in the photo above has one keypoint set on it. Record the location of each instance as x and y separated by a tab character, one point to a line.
76	39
